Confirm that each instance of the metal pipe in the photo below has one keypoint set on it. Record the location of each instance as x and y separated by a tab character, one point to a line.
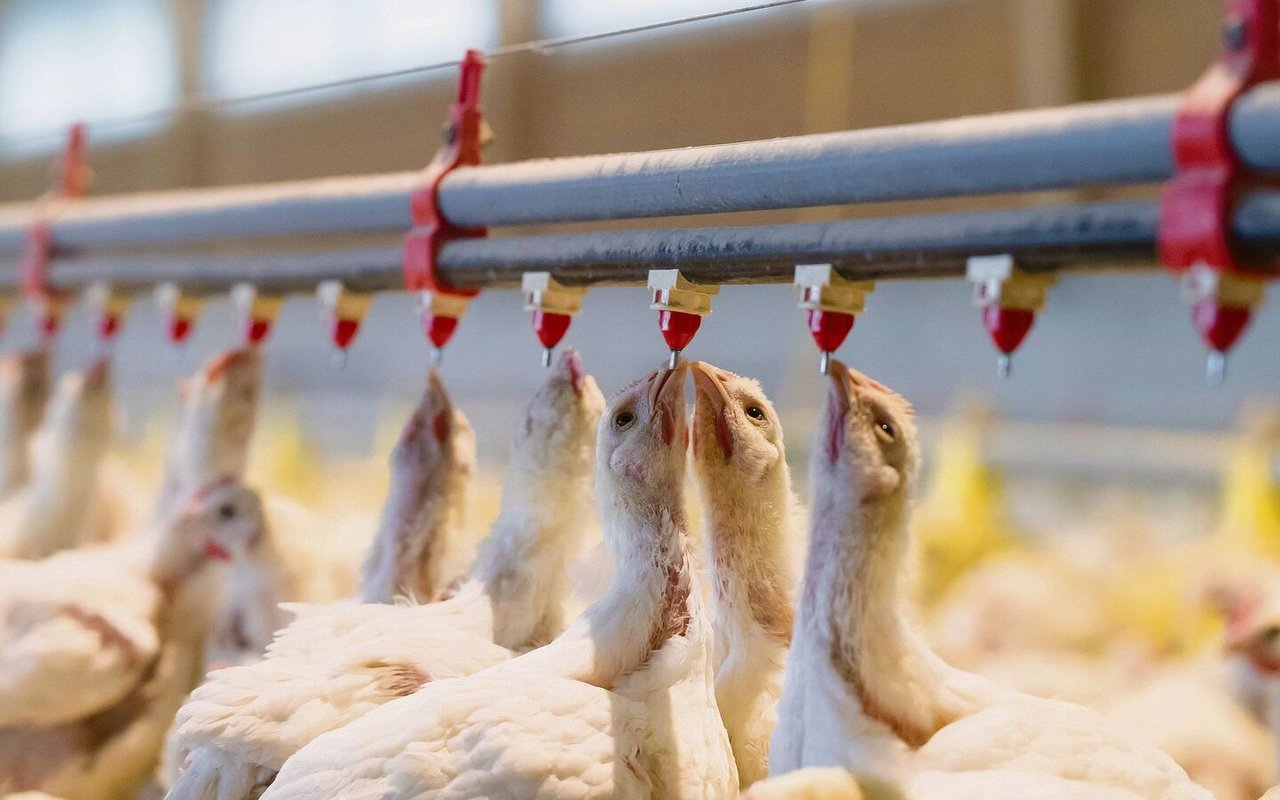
1113	142
1105	235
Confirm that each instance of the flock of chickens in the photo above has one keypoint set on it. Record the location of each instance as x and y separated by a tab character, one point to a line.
602	643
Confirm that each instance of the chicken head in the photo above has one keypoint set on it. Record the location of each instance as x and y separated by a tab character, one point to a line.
219	407
866	438
227	517
642	438
737	438
557	441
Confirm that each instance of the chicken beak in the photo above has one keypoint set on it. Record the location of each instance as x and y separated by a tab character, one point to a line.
666	398
840	393
436	408
570	367
711	390
708	384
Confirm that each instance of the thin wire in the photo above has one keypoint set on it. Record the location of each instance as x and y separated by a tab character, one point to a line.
205	102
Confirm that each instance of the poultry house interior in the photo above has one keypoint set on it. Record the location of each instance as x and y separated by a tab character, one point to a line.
390	540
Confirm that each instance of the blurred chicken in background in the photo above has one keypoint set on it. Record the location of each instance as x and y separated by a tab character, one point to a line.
962	520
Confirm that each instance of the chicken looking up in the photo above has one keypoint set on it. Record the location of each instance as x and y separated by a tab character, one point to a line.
217	411
740	463
338	662
24	391
864	691
621	704
267	568
55	510
432	465
99	647
515	592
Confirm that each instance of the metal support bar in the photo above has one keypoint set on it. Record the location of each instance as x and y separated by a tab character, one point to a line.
1098	235
1114	142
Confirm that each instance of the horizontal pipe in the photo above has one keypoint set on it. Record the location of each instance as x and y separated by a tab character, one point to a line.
345	205
925	246
1113	142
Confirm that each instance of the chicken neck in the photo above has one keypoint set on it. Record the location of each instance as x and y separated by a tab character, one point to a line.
854	608
751	580
418	525
651	599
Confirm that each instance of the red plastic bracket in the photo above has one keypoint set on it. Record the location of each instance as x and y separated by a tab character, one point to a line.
73	184
463	142
1197	204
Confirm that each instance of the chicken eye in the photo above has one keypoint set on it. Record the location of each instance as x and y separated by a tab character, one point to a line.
1271	634
623	420
887	430
755	412
226	511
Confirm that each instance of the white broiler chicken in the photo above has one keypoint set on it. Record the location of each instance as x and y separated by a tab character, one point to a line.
265	541
25	383
79	627
217	411
740	462
339	662
432	466
97	649
1188	712
55	511
621	705
864	691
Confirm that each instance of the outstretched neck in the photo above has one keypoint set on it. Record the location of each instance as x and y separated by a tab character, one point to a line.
522	568
752	578
651	600
408	555
62	490
854	609
751	568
